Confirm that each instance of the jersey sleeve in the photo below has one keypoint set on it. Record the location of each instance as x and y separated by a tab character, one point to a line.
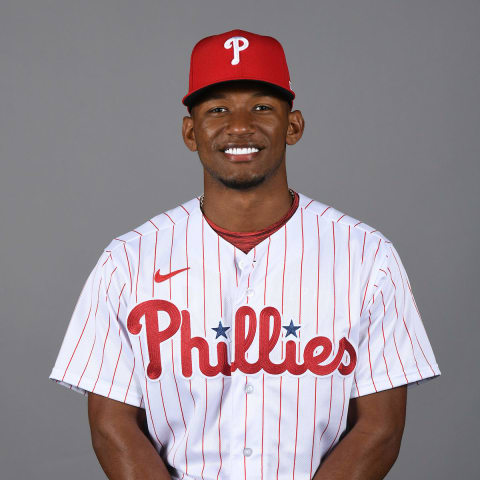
96	354
393	347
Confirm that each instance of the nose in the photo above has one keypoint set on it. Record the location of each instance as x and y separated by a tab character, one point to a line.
240	123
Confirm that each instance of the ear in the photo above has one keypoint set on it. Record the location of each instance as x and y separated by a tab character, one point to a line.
296	125
188	134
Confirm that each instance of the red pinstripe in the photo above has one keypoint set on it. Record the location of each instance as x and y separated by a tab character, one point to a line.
111	275
356	385
148	399
170	218
88	360
116	366
154	264
170	264
401	363
130	381
368	345
121	343
263	421
283	277
203	269
363	248
413	299
403	317
205	332
138	268
193	398
154	259
333	274
279	423
95	335
318	294
178	393
300	292
186	251
263	375
188	213
296	429
349	317
194	412
324	211
166	418
203	432
396	311
357	224
384	343
329	410
103	354
266	272
220	276
86	321
433	372
245	438
413	350
308	204
128	263
219	436
314	427
108	258
364	295
318	270
341	418
180	403
340	218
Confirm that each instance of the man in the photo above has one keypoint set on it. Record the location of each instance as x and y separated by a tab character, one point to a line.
251	332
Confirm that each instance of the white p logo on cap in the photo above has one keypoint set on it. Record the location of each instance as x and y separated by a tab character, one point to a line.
237	48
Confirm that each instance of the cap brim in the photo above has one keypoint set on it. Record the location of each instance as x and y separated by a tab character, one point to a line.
190	99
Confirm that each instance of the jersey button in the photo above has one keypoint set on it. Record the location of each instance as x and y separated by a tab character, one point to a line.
242	264
250	292
249	388
247	452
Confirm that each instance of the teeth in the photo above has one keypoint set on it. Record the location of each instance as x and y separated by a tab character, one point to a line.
241	151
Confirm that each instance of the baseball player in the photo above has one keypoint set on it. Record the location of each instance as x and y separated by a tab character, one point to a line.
251	332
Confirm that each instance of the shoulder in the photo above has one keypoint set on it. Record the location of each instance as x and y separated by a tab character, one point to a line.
342	220
162	222
369	240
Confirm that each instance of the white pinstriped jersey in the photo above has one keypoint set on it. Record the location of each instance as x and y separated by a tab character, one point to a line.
245	363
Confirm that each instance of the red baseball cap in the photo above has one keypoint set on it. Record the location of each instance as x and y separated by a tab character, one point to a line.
237	55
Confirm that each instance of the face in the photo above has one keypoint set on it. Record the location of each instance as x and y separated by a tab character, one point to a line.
240	131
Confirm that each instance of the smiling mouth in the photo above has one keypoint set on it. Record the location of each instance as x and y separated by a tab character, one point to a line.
241	154
241	151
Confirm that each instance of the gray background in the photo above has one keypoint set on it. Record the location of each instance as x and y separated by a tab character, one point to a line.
90	147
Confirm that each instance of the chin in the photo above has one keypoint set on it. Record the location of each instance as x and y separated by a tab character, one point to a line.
242	183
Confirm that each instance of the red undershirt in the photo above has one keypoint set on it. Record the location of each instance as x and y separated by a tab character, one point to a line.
245	241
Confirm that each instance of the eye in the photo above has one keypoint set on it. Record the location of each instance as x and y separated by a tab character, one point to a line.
217	110
262	107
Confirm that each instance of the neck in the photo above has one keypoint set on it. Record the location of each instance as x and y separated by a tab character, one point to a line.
246	210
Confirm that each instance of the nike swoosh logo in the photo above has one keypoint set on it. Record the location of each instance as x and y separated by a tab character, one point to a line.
161	278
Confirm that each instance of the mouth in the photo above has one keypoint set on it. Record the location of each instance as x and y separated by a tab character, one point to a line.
241	153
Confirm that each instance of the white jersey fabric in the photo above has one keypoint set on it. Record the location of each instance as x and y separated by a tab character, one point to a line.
245	363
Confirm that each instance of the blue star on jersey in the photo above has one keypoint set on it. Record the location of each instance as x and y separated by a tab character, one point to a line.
291	329
220	330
